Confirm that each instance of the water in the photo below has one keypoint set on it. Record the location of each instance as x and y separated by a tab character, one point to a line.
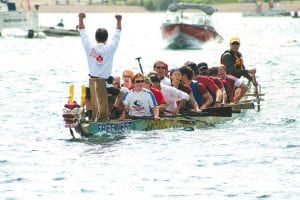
254	157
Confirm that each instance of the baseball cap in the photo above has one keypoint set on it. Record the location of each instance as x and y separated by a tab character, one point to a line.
234	39
202	65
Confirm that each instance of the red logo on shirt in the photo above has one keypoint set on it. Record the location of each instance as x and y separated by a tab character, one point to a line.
97	56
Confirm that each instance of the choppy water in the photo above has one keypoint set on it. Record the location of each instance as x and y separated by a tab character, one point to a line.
254	157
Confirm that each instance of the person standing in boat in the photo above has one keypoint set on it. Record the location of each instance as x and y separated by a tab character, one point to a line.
140	102
100	56
232	59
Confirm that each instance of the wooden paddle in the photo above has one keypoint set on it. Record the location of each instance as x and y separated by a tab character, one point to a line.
140	65
214	111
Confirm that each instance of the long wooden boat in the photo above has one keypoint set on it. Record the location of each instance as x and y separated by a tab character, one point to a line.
75	119
188	121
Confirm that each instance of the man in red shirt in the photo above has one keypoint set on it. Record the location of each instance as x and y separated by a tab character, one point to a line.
209	84
157	93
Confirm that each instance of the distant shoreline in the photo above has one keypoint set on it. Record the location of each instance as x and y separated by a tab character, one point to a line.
75	8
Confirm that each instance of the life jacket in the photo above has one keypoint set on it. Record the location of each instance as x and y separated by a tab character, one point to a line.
196	93
238	59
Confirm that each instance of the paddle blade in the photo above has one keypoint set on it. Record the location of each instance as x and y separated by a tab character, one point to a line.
71	93
83	95
219	112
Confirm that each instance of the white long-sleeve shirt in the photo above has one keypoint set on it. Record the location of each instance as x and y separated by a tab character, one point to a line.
100	56
172	95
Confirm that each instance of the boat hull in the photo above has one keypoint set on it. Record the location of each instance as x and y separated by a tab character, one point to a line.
192	120
272	12
58	32
186	35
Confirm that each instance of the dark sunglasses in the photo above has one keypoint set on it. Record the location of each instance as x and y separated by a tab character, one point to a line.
139	81
235	43
160	67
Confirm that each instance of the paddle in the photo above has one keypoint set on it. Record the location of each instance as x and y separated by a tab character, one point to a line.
213	111
140	65
257	91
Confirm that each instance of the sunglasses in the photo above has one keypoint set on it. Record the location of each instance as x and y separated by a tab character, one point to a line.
235	43
160	67
127	76
139	81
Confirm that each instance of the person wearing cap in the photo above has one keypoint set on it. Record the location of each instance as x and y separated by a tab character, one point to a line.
160	67
157	93
171	94
140	102
233	61
203	68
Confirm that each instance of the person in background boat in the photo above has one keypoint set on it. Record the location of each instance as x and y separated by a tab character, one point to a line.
201	94
235	88
140	102
176	81
171	95
100	56
296	15
209	84
60	24
157	93
160	67
232	59
271	4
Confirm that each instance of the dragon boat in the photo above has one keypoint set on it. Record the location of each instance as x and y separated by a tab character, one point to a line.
75	119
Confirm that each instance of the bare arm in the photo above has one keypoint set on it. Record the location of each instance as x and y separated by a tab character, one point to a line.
194	102
207	100
155	112
81	16
119	21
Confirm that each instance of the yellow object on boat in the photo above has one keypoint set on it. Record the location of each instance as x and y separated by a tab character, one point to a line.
71	93
83	95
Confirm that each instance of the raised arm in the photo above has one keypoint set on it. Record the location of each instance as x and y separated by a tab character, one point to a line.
119	21
81	16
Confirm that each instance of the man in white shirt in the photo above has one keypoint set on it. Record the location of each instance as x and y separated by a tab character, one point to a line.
100	56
